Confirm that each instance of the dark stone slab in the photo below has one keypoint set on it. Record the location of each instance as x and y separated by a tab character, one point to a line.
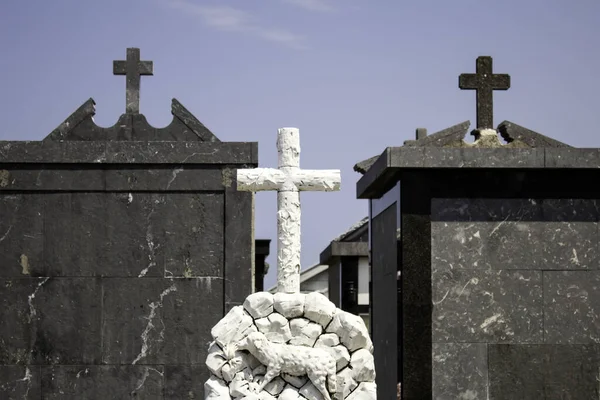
417	360
193	243
384	308
553	372
572	307
21	235
50	321
482	158
569	235
486	233
486	306
460	371
20	382
516	372
572	371
185	382
76	241
124	152
162	321
100	382
238	244
134	234
31	180
572	158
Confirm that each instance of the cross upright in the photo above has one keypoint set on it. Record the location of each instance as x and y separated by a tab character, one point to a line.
133	69
288	180
484	82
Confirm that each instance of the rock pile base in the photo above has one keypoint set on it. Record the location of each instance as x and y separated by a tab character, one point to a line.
309	320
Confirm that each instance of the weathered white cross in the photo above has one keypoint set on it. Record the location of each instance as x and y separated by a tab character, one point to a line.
288	180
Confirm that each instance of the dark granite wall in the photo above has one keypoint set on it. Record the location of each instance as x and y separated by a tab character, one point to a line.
516	299
112	274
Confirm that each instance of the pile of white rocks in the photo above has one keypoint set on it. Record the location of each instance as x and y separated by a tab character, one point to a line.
291	319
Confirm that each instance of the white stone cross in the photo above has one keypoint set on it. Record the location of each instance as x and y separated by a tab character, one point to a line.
288	180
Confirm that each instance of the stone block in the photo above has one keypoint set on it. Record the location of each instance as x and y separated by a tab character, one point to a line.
552	372
148	325
50	321
20	382
100	382
459	371
184	382
21	235
487	306
572	307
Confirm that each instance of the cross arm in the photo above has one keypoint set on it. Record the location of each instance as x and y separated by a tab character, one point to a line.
120	67
501	81
468	81
318	180
259	179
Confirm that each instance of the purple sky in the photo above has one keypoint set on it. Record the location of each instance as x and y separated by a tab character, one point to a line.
355	76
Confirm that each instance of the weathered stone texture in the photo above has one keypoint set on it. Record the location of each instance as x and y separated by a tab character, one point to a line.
515	284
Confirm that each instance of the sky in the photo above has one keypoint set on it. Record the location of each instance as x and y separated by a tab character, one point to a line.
355	76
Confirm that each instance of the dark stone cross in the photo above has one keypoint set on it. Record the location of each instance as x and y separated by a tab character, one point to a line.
133	69
484	82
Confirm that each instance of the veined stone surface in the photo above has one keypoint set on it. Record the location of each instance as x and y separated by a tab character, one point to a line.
291	357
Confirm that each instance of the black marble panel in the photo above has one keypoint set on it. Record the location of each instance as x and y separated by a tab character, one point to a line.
486	233
551	372
103	179
185	382
125	152
572	307
193	228
101	382
487	306
516	372
162	321
459	371
384	308
20	382
478	157
50	321
572	372
21	235
133	234
239	246
571	158
569	234
515	234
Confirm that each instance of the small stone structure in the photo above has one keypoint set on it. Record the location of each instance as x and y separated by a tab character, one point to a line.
289	345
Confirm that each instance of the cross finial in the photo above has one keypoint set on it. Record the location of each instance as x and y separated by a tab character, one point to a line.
133	69
484	82
288	180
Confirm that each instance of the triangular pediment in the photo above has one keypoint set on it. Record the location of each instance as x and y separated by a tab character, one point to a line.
515	136
81	126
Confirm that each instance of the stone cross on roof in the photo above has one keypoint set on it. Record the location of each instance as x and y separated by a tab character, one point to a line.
484	82
288	179
133	69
